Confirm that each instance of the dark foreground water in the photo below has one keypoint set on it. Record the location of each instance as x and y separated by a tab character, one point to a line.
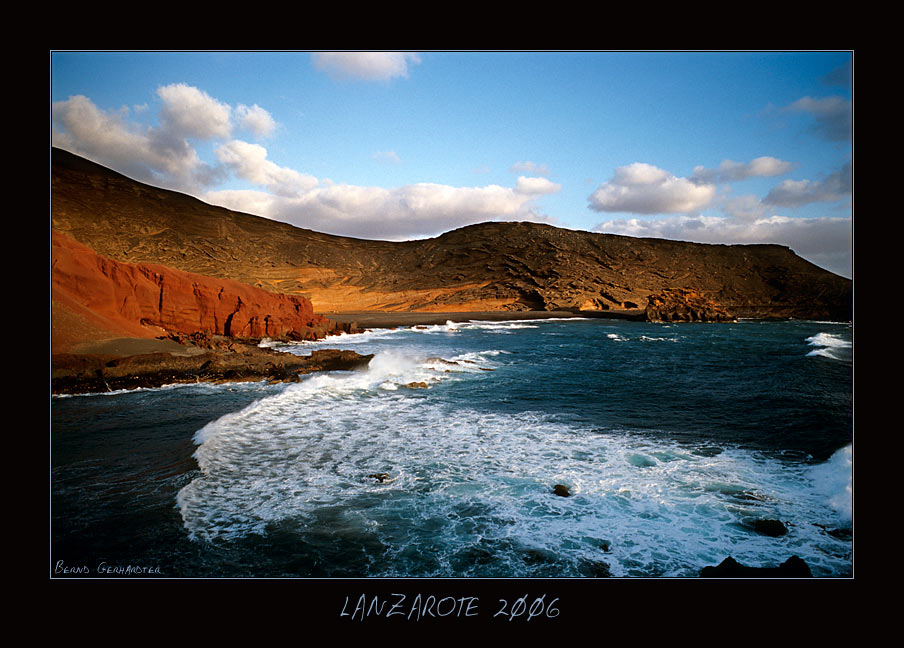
672	439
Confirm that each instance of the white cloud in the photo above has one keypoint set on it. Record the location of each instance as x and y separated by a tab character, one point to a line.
147	154
645	189
536	186
250	162
255	119
796	193
365	66
834	116
827	241
162	155
190	112
530	167
730	171
743	209
410	211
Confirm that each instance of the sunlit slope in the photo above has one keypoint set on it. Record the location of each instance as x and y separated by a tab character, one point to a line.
489	266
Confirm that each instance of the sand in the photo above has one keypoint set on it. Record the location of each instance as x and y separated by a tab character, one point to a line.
135	346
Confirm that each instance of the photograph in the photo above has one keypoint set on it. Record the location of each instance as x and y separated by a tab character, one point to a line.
507	318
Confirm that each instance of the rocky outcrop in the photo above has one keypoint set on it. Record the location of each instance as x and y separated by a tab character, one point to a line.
771	528
794	567
677	305
236	362
151	300
497	266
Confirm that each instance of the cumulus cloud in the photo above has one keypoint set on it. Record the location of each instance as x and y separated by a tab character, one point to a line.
826	241
645	189
147	154
365	66
730	171
743	209
536	186
162	154
190	112
834	116
796	193
410	211
530	167
250	162
255	119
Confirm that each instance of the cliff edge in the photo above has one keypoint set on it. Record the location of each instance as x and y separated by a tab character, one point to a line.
95	298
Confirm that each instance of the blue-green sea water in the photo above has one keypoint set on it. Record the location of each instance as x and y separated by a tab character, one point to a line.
673	440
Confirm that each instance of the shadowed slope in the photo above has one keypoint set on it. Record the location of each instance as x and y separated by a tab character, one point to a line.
496	266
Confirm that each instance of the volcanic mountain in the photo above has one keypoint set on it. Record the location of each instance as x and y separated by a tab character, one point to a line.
494	266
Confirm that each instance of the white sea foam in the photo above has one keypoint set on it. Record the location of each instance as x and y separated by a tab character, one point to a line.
830	345
834	480
499	327
342	340
464	479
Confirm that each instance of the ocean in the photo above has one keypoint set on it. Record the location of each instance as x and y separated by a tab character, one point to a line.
678	445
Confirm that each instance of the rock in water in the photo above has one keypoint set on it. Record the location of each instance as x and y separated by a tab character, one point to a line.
561	490
771	528
794	567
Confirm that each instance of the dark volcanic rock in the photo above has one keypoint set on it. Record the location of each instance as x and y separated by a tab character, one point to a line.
771	528
794	567
497	266
91	373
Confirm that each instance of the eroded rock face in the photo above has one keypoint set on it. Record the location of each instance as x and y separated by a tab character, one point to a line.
146	300
679	305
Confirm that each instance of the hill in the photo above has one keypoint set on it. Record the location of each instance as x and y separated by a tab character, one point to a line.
496	266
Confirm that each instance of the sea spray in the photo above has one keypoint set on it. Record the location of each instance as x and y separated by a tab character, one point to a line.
829	345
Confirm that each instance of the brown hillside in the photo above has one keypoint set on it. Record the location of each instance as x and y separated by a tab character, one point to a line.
491	266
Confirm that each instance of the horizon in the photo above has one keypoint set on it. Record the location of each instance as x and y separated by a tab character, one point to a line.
703	147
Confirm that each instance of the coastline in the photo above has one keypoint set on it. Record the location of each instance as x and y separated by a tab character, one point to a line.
120	363
113	367
391	319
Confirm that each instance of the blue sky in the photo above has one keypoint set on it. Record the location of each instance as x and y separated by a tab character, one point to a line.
714	147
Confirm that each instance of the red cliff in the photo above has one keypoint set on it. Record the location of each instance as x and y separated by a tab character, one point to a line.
95	297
